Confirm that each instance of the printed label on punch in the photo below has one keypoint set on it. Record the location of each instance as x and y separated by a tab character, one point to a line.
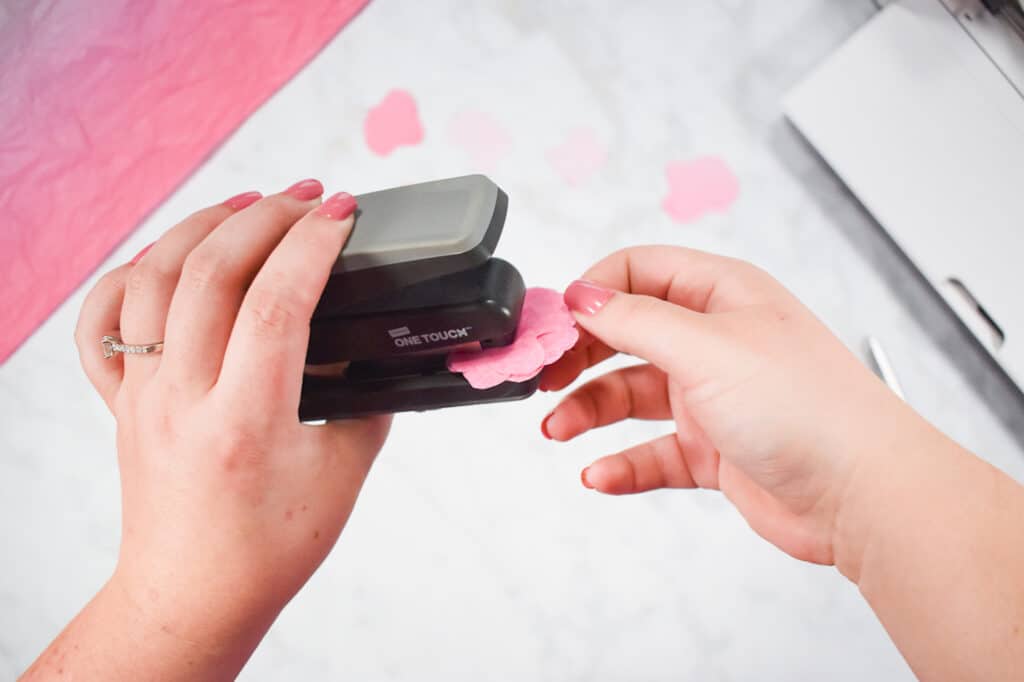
406	339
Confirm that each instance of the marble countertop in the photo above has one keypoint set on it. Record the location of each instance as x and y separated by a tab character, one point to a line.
474	553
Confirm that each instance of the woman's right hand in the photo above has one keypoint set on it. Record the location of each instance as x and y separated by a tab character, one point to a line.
769	406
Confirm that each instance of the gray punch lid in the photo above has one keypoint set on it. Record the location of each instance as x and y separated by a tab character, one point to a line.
414	233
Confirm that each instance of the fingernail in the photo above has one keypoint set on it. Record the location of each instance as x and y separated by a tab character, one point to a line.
586	297
338	207
583	479
304	190
240	201
544	426
142	253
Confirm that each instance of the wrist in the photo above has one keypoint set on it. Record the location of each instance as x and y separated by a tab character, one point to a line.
166	628
929	539
891	475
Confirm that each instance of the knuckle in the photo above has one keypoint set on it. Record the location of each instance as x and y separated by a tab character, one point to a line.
235	447
237	459
295	287
750	272
274	311
109	283
625	252
137	278
755	284
646	306
144	275
607	398
206	269
239	452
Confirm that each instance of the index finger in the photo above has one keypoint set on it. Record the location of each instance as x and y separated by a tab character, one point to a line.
266	353
701	281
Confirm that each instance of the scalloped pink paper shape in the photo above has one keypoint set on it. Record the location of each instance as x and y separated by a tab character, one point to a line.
546	331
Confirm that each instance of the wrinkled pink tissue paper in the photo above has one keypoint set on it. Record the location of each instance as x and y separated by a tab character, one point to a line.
546	331
108	106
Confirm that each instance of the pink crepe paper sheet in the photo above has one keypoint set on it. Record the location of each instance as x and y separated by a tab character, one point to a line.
108	106
546	331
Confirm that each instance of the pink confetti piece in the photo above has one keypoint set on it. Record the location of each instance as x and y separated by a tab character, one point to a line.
578	157
698	187
393	123
546	331
481	137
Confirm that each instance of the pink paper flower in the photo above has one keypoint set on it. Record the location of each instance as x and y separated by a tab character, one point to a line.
546	331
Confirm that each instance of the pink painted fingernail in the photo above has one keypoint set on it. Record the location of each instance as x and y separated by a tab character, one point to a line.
583	479
304	190
142	253
586	297
338	207
544	426
240	201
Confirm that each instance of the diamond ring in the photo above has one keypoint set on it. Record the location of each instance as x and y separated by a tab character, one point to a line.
112	345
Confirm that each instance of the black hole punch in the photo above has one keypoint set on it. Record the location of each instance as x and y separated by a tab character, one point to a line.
416	281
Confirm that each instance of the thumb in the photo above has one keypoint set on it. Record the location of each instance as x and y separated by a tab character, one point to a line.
649	328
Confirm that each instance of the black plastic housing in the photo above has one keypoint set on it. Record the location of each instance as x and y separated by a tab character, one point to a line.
365	391
395	321
478	305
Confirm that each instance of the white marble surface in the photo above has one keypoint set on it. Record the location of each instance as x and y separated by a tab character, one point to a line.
474	554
